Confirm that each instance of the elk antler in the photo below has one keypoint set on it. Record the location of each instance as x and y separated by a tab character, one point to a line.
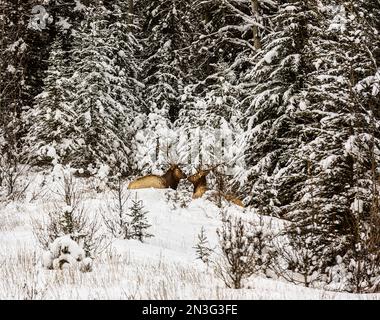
215	166
199	167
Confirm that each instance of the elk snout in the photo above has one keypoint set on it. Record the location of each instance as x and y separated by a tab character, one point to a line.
180	174
183	175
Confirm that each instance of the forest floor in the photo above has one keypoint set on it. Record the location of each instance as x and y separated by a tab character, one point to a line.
162	267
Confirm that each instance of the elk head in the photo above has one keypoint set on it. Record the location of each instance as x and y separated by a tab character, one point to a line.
199	181
177	172
173	176
198	177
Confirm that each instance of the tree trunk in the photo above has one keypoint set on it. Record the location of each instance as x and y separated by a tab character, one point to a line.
131	11
255	29
157	148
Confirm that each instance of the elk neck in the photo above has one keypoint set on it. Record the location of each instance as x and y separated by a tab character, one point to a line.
171	180
200	183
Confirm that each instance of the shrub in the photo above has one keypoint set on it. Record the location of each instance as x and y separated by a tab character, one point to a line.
70	218
117	218
245	248
65	253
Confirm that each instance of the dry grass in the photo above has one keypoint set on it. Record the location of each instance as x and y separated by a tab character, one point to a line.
118	275
114	277
9	222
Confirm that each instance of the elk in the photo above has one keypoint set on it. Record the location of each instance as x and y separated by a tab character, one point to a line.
168	180
200	186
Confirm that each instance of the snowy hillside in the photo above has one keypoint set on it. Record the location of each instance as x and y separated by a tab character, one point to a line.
162	267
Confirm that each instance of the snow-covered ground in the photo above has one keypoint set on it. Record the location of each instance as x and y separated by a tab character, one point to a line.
164	267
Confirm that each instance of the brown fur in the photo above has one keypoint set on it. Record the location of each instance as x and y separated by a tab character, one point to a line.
168	180
200	187
233	199
199	182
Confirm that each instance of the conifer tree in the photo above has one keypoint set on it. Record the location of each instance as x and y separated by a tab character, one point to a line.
345	145
202	248
276	83
52	118
139	223
166	31
308	132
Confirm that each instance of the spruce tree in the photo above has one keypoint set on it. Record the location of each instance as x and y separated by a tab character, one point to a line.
202	248
166	33
139	223
357	48
312	146
107	103
166	30
345	144
276	83
52	132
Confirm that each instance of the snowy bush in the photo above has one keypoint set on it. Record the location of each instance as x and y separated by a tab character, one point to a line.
116	217
358	270
12	171
155	144
302	259
65	253
360	275
224	190
74	222
99	180
177	198
297	261
245	249
70	218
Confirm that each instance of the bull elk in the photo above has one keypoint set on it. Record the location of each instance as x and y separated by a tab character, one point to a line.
168	180
200	186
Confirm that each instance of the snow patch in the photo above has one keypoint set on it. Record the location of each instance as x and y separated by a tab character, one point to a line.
327	163
11	69
79	6
63	23
269	56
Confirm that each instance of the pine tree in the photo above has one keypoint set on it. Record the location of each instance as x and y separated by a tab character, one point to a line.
202	248
290	121
246	249
167	29
52	131
210	123
106	104
209	117
344	145
139	223
276	82
357	48
227	29
307	132
17	84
